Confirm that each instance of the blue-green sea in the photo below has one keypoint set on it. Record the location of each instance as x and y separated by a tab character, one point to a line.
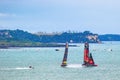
15	62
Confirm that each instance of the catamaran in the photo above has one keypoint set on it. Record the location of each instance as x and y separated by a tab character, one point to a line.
88	59
64	62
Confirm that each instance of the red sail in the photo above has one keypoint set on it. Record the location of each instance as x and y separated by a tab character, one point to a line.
86	53
88	59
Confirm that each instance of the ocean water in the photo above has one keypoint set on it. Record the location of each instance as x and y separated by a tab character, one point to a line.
15	62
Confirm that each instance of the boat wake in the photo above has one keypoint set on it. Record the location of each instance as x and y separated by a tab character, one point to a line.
17	68
20	68
74	66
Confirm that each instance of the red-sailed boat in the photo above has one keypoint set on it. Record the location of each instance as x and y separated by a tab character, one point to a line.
88	59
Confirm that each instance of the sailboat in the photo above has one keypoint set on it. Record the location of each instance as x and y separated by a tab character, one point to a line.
64	62
88	59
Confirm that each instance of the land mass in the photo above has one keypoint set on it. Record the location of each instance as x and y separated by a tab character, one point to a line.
20	38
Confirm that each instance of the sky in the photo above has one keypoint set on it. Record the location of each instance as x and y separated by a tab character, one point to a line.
97	16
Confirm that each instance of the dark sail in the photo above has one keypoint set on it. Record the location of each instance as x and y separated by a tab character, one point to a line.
64	62
91	61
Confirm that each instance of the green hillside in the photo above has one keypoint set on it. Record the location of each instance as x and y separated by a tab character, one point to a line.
20	38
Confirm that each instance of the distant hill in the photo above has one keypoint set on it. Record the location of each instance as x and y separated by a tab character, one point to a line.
109	37
20	35
17	38
22	38
17	35
72	37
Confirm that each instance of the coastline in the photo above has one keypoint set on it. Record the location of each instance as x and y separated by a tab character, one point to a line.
40	45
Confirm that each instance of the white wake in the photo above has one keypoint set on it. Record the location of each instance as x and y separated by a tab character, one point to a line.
17	68
74	66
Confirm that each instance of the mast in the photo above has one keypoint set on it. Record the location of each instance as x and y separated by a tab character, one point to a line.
64	62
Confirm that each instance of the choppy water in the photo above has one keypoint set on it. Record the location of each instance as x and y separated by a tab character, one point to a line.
15	62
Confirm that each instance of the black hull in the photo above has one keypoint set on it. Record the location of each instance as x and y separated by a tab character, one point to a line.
89	65
63	65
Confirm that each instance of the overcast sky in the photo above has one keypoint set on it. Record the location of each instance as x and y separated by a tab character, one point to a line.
97	16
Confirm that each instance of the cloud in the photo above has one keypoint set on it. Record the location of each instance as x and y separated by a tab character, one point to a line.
7	15
71	3
76	2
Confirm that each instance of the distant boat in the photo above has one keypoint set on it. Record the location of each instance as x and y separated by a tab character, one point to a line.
64	62
3	47
110	49
56	49
31	67
88	59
